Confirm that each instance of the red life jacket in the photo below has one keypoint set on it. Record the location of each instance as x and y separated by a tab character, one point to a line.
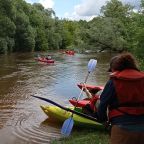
129	86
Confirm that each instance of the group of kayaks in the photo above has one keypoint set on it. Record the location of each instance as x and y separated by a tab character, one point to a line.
61	113
51	61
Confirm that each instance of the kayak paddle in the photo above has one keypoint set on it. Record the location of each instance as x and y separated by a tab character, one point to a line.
66	108
68	124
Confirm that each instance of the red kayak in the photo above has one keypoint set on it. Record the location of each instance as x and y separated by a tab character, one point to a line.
80	103
45	60
90	87
69	52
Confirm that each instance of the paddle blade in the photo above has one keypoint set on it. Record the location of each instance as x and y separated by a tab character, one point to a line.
67	127
91	65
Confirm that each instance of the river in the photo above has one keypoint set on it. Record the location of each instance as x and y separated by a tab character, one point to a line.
21	119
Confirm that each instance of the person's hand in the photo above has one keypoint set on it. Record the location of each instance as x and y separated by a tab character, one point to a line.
84	87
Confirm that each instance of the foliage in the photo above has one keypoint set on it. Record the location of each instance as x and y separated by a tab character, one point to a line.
26	27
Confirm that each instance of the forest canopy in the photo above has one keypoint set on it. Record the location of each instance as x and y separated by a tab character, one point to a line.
27	28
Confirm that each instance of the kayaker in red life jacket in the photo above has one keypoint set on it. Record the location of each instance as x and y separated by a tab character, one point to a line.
122	101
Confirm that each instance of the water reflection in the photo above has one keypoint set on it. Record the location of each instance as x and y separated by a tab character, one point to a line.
22	120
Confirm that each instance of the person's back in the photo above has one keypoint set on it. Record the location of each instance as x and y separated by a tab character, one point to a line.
129	92
123	95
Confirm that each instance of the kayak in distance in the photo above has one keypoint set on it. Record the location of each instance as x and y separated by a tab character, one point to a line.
45	60
69	52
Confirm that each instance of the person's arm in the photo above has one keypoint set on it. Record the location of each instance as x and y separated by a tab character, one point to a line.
105	99
89	95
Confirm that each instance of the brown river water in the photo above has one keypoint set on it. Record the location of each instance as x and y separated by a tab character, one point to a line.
21	119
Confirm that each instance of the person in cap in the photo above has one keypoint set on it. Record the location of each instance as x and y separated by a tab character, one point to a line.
122	101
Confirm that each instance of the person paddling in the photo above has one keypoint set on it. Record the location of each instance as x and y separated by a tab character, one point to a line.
48	57
91	108
122	101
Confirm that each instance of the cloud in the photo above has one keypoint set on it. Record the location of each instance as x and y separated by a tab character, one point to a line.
29	1
91	8
135	3
74	16
45	3
86	9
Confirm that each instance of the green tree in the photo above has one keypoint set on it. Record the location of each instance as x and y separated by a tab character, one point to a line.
118	18
24	37
7	31
41	41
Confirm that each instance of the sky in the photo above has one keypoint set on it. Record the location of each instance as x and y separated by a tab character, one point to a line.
78	9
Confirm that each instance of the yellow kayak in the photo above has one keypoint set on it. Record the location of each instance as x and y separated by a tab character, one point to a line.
61	115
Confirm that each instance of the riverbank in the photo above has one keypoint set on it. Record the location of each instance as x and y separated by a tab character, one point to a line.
91	136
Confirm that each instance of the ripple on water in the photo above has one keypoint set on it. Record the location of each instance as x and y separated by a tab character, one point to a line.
36	133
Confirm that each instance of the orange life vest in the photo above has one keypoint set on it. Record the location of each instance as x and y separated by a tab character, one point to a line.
129	86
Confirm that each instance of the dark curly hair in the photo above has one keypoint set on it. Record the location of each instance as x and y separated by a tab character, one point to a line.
112	63
125	61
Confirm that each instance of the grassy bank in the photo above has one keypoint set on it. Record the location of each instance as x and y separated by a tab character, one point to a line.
85	136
